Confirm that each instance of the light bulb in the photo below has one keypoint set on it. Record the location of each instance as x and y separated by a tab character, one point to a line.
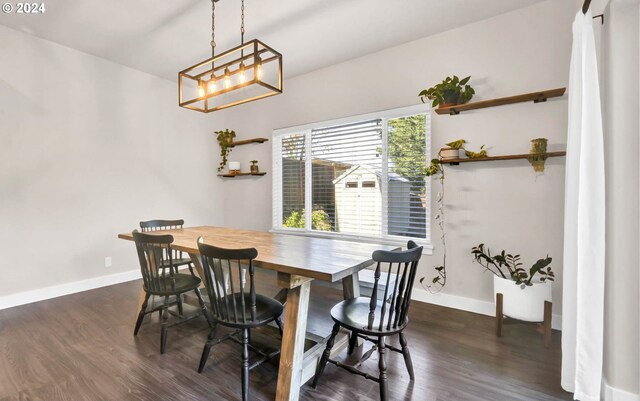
242	78
212	85
259	68
227	80
201	91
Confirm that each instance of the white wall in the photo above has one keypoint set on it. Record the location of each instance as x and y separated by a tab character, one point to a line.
90	148
622	107
503	204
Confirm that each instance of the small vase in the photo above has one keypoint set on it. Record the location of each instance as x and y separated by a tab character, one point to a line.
254	169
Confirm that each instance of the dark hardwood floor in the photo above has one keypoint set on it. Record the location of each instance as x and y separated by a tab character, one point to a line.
81	347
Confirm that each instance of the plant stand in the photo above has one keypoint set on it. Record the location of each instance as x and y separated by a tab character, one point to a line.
544	327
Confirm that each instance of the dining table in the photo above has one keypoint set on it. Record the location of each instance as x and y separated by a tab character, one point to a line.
298	260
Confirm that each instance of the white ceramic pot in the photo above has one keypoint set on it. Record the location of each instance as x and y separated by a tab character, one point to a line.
234	167
449	153
522	303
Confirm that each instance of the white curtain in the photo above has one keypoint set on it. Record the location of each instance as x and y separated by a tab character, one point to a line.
584	224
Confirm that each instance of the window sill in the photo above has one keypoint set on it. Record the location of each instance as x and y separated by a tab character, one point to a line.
427	247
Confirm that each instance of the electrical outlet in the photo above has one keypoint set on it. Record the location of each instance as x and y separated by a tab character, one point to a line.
107	261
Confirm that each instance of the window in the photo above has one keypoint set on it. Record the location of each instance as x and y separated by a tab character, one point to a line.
360	177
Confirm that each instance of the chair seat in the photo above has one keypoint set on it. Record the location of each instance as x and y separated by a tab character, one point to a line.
267	310
354	315
177	284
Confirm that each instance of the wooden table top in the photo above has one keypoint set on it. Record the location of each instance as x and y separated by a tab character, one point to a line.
318	258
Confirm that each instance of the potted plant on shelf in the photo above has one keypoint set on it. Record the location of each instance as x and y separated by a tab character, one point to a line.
452	151
524	291
451	91
225	139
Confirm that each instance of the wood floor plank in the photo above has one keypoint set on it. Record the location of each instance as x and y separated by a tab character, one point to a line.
81	347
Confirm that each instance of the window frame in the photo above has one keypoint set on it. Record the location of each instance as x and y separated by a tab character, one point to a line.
306	130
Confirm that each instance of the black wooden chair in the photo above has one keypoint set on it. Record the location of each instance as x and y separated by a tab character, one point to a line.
178	257
374	320
161	279
234	305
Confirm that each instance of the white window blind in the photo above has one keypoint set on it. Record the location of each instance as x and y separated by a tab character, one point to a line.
359	177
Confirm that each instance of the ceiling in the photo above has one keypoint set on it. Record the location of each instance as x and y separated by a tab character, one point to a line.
162	37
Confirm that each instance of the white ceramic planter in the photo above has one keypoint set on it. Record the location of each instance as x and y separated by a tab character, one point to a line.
234	167
524	304
449	153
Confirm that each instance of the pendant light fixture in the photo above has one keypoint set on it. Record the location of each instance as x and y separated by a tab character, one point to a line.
248	72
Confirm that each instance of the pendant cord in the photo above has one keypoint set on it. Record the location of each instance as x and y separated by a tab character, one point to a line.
242	23
213	28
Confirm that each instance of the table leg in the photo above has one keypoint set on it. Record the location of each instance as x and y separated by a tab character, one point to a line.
195	258
291	355
281	296
350	290
351	286
141	297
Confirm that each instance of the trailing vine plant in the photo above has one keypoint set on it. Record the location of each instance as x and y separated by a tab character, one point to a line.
440	279
225	138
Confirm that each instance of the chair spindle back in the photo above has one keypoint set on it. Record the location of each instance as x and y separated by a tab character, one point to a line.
159	225
155	255
156	225
404	265
231	301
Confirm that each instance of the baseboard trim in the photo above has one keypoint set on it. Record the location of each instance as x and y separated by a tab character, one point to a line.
467	304
419	294
41	294
614	394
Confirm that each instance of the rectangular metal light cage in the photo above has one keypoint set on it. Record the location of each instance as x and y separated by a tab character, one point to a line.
262	78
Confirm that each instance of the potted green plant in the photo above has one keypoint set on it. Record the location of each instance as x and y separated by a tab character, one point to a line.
524	291
225	139
451	91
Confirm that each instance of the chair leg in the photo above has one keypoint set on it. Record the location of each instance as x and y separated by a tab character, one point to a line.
165	325
279	323
203	306
382	365
325	355
141	314
245	364
206	349
353	341
179	303
407	356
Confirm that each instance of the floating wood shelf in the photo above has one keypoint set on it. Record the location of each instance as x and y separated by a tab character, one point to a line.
536	97
248	141
504	157
229	175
